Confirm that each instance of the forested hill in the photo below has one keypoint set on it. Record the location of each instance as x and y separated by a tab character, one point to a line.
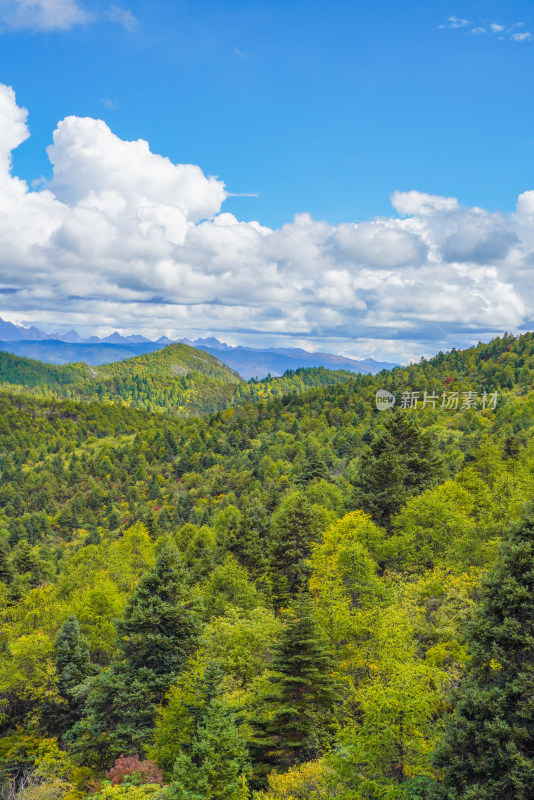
271	601
177	379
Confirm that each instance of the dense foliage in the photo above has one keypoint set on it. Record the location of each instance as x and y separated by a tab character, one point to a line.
272	600
177	379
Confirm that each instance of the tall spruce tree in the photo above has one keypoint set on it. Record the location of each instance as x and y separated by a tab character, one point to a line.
158	633
293	531
487	752
250	546
300	726
6	570
73	666
217	765
400	463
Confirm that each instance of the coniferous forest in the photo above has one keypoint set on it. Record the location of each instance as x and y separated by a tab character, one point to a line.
219	590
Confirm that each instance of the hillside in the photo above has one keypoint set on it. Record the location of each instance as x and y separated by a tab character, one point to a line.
161	577
177	379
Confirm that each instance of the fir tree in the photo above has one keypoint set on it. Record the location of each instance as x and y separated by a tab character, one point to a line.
250	544
6	570
401	462
73	666
488	749
314	467
27	562
158	633
300	726
293	531
217	766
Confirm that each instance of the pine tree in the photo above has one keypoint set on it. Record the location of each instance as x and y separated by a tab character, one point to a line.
488	749
250	544
314	467
6	570
161	622
300	726
158	633
293	531
73	666
27	561
401	462
217	766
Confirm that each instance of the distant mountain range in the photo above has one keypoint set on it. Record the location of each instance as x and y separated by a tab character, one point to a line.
249	362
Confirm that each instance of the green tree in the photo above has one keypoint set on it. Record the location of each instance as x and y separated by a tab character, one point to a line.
217	765
299	721
400	463
488	749
314	467
158	633
294	529
6	570
73	666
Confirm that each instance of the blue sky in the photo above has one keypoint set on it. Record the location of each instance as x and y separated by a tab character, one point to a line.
311	108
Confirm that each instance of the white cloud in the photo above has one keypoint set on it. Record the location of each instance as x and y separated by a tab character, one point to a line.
521	37
484	27
455	22
122	16
124	238
43	15
57	15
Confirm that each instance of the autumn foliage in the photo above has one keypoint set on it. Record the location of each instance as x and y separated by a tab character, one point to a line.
133	769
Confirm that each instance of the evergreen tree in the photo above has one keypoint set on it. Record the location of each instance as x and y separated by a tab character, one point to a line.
293	531
161	622
158	633
27	562
217	766
314	467
300	726
73	666
401	462
250	544
488	749
6	570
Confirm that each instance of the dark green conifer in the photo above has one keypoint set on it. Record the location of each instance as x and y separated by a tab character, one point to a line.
401	463
250	545
300	727
73	666
158	633
294	529
488	750
6	570
218	763
314	466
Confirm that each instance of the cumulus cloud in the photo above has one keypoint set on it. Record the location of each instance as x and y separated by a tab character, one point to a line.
123	238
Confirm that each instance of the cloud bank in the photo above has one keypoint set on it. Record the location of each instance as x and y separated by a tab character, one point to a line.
123	238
